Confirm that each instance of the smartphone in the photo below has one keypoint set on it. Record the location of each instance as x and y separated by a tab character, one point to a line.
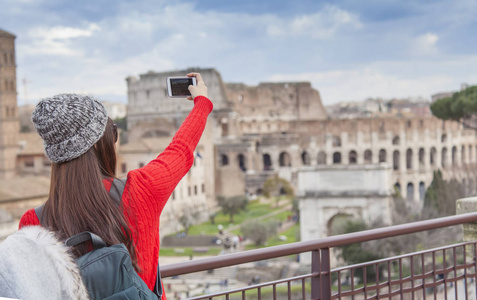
177	87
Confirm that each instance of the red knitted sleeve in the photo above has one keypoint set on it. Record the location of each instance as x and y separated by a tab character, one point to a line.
148	188
29	218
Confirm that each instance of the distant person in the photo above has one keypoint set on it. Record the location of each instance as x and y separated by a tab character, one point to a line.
80	140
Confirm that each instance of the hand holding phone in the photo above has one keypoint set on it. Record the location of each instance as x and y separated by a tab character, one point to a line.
200	89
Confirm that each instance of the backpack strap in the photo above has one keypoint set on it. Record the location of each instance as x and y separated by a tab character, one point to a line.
84	236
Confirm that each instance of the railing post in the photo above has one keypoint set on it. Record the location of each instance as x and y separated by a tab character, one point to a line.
315	280
325	279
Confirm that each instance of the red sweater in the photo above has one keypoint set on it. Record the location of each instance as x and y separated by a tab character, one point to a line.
148	188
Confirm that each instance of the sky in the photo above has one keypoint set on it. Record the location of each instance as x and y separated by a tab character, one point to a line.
349	50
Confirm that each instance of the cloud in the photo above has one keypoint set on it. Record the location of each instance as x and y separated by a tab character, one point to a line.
426	44
369	81
57	40
321	25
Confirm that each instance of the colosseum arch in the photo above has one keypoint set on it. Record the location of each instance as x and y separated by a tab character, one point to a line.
454	156
470	154
462	154
397	187
242	162
443	138
409	159
224	160
336	141
422	191
284	159
337	158
410	192
382	156
396	158
267	162
335	224
352	157
322	158
421	158
368	156
432	156
444	157
305	158
396	140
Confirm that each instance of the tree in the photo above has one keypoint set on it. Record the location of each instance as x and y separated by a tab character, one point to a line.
188	219
259	232
441	196
233	205
358	253
462	107
277	187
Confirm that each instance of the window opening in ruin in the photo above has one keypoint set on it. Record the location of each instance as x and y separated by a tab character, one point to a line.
322	158
396	160
381	127
422	191
12	58
382	155
397	187
336	141
5	58
141	164
241	162
421	123
409	124
432	156
470	154
123	168
203	188
29	163
46	162
285	160
444	157
305	158
462	154
396	140
410	192
336	158
352	157
368	157
225	129
195	189
443	138
409	159
148	93
267	162
188	191
454	155
421	157
224	160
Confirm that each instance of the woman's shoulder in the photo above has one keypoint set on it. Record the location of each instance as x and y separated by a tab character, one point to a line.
29	218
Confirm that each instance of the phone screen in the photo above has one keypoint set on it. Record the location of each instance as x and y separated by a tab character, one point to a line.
179	86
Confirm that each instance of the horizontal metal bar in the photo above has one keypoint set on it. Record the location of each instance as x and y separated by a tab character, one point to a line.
306	246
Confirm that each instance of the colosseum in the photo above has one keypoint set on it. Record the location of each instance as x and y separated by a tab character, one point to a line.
277	128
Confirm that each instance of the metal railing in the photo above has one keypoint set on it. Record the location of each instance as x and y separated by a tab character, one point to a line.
449	269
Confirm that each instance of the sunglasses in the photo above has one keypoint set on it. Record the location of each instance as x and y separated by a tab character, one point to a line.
115	130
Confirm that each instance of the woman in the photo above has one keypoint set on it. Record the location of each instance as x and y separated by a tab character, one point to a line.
80	139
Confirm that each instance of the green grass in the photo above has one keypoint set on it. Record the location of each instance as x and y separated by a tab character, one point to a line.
290	233
255	209
165	251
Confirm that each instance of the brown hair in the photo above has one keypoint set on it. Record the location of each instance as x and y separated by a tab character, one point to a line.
79	202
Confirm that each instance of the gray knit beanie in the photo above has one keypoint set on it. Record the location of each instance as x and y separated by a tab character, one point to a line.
69	125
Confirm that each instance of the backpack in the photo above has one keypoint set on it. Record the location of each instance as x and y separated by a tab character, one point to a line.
107	271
